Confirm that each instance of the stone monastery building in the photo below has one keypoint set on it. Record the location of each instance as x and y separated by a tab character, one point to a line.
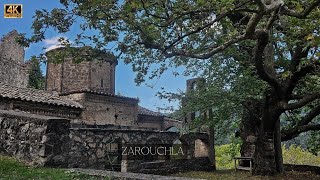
84	92
78	120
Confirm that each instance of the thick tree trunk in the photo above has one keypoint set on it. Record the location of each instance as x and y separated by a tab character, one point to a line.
260	138
264	156
278	148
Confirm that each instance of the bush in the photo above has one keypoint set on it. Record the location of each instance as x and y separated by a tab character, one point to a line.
225	154
296	155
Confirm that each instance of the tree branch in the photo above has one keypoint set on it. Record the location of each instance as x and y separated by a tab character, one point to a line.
310	116
263	39
180	52
271	20
305	100
261	5
150	14
218	18
273	5
298	75
292	133
195	31
303	14
298	96
252	24
296	58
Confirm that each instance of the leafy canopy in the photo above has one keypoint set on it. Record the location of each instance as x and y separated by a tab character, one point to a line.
243	48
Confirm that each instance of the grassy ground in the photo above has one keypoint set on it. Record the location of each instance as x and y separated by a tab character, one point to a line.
231	175
11	169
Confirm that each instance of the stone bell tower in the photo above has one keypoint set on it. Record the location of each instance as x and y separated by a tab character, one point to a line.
84	69
13	69
192	84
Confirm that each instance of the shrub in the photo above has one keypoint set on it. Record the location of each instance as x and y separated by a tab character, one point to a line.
225	154
296	155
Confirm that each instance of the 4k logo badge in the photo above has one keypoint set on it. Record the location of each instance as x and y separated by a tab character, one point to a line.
13	11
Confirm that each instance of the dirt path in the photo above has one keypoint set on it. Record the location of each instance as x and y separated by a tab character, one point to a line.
127	176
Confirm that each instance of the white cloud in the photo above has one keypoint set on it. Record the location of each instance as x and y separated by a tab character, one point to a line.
53	43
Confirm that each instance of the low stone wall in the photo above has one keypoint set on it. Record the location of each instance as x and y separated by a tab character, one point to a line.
37	140
89	149
88	146
171	166
48	141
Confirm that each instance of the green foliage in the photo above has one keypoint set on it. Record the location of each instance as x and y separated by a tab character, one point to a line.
155	35
313	143
36	79
296	155
11	169
225	154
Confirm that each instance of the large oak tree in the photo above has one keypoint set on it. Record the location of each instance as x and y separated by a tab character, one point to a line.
279	39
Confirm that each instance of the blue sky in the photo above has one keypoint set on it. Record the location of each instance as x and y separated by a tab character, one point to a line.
124	74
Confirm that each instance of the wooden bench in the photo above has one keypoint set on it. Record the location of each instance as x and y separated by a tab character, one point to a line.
236	167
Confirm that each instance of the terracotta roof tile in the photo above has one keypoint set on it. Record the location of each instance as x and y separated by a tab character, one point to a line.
145	111
97	92
34	95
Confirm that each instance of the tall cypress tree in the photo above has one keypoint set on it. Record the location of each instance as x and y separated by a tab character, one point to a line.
36	79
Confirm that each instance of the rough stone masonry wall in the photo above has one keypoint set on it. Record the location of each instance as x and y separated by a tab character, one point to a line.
37	140
89	146
100	109
13	70
71	76
49	141
89	150
53	81
102	76
75	76
151	122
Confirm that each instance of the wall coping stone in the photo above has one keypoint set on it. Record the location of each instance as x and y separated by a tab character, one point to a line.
123	130
29	115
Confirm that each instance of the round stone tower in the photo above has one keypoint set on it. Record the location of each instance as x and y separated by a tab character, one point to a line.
77	69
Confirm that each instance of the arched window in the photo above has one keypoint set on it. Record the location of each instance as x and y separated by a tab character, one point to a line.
194	85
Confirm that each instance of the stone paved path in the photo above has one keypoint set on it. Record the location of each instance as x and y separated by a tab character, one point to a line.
125	175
